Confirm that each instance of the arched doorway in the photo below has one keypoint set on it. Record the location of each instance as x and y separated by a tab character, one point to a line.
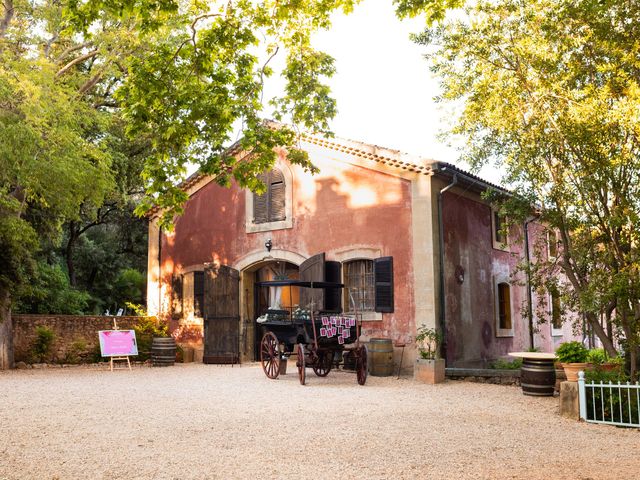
256	301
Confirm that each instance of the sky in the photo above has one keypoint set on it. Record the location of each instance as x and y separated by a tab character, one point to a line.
383	85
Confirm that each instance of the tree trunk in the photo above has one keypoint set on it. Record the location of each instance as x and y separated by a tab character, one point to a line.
71	243
6	332
607	342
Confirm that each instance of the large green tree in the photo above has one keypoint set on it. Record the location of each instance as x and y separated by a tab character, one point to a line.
550	90
182	76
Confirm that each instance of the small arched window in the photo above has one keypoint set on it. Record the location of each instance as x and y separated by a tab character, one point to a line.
271	205
504	327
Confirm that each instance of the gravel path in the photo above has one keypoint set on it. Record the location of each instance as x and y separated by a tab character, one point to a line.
205	422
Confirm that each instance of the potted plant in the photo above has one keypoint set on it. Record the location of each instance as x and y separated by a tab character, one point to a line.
429	367
603	363
573	357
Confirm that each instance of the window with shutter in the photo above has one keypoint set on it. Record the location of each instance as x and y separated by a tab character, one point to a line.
383	275
499	238
271	205
556	313
359	285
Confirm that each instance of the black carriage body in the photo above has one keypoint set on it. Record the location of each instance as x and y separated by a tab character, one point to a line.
293	332
315	336
297	326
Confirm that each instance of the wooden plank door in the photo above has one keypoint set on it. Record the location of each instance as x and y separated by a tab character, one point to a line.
312	270
221	314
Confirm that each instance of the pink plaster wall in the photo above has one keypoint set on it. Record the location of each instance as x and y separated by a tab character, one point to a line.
470	305
342	207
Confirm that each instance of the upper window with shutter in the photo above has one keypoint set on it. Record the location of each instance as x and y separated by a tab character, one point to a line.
270	206
273	209
369	286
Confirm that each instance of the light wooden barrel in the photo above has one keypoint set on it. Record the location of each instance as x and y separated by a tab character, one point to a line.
380	357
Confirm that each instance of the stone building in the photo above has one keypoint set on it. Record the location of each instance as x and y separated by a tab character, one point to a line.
374	219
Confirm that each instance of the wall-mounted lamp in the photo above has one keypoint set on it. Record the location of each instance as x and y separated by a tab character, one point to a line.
268	244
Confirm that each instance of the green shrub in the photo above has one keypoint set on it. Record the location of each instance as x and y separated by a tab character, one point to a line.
597	356
501	364
41	348
606	403
146	328
572	352
49	292
76	351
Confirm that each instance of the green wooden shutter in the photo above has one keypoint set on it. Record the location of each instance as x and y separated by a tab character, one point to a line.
176	296
383	274
333	296
277	196
312	270
261	202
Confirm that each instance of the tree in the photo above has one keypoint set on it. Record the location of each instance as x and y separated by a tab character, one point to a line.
550	90
179	74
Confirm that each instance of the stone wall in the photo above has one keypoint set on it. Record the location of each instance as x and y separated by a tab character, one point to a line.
75	336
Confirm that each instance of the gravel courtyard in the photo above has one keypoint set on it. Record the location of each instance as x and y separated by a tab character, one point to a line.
205	422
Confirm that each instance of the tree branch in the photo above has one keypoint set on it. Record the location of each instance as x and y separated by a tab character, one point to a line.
8	15
72	49
75	61
89	84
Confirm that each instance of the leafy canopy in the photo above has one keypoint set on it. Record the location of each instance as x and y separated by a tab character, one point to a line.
550	90
176	76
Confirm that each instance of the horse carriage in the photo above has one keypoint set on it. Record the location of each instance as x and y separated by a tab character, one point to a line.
320	340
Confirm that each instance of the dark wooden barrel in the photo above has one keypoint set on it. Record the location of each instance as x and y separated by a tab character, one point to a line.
380	357
538	377
163	351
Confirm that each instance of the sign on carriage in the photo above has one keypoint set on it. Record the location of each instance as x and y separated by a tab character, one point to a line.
118	343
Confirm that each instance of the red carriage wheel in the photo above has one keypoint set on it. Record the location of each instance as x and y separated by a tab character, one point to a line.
322	367
300	363
361	364
270	355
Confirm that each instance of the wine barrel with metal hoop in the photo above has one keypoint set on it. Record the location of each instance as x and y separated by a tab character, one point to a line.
380	357
163	351
538	377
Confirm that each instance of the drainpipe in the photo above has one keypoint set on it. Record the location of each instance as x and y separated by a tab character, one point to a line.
527	256
159	271
442	289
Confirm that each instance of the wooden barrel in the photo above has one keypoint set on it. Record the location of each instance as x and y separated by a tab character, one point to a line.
380	357
163	351
538	377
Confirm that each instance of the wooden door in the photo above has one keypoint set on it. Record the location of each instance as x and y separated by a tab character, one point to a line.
312	270
221	314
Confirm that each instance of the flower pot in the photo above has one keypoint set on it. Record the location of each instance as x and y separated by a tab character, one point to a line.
571	370
429	371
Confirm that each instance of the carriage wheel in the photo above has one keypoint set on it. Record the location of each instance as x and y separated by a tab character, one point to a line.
302	372
324	363
361	365
269	355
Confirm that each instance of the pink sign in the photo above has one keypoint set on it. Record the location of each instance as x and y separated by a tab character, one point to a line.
114	343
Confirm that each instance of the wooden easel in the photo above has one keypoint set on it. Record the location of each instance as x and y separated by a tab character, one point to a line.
118	359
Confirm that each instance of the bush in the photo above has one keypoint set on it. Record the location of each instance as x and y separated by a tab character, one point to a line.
606	404
41	348
146	328
76	351
502	364
572	352
49	292
597	356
